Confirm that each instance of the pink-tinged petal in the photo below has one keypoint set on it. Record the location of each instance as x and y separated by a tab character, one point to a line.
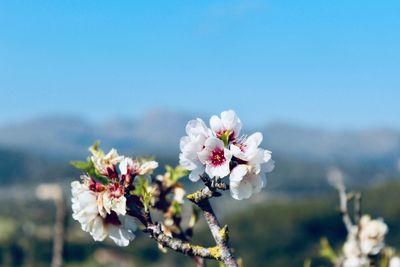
216	124
238	173
236	151
231	121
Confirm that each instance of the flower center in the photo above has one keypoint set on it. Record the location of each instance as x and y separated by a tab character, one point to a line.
217	156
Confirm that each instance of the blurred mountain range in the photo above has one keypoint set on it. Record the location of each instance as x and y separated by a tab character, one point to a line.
157	132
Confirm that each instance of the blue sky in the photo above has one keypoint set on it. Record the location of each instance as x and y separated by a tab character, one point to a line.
334	64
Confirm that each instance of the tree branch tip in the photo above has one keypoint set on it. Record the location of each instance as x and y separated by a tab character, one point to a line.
224	233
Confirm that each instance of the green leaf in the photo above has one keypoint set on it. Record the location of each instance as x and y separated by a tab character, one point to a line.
95	149
176	208
307	263
142	190
175	174
82	165
326	251
88	167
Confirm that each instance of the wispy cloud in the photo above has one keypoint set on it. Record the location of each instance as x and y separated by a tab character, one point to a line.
220	12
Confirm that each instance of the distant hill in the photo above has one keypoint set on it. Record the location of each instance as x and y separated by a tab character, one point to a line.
158	132
303	154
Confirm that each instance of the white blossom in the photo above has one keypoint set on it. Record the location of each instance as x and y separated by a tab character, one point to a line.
394	262
372	235
101	211
221	152
249	177
356	262
228	124
190	145
105	163
216	158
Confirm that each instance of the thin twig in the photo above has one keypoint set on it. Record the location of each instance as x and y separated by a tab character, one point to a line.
178	245
357	207
220	235
343	198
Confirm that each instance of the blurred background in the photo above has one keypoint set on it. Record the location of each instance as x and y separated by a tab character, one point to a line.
319	79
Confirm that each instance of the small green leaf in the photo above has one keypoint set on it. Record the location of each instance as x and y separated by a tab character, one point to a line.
82	165
95	149
175	174
307	263
176	208
326	251
142	190
88	167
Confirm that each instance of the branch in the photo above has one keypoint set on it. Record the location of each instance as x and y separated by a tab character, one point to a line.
178	245
357	207
209	191
343	198
221	236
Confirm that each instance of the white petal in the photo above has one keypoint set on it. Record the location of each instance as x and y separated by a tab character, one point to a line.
197	127
194	175
231	121
99	230
255	138
120	236
218	171
129	223
216	124
268	166
213	142
241	190
204	156
238	173
257	182
148	167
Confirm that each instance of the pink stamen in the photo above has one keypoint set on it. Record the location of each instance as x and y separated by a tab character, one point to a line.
217	156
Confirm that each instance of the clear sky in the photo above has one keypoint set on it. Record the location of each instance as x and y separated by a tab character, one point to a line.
326	63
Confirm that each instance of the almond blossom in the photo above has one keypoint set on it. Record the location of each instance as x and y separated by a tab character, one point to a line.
372	235
101	211
191	145
221	151
215	157
228	126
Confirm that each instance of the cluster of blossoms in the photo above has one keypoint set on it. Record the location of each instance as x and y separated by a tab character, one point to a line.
221	151
99	200
365	241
